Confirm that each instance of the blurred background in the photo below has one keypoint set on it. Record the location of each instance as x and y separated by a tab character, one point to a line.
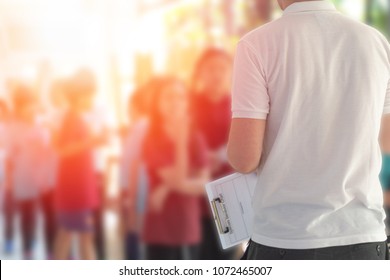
113	50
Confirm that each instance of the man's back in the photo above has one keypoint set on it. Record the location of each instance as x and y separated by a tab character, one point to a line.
325	80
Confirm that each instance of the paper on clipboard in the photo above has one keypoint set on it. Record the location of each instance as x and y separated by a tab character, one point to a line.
231	203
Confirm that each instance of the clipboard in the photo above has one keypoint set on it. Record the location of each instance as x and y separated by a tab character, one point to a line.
231	203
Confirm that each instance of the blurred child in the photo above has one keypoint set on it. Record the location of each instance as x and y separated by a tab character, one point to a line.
51	123
26	145
47	196
101	168
210	103
76	194
134	188
97	119
176	164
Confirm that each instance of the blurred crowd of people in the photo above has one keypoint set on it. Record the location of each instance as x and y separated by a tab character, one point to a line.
174	144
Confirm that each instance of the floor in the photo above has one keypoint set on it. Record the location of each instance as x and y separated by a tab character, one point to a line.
113	246
112	240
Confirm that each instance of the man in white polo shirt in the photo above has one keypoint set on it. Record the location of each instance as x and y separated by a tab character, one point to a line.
310	92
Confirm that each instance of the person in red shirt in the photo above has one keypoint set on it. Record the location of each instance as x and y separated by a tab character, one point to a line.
175	160
76	193
210	106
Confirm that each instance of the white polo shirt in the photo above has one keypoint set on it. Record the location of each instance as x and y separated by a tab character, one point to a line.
321	80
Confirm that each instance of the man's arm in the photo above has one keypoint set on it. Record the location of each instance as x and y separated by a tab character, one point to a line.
245	144
250	108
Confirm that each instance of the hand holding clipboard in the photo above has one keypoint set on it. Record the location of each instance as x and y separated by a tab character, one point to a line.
231	203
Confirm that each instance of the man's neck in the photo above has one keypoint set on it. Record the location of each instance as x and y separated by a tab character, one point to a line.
286	3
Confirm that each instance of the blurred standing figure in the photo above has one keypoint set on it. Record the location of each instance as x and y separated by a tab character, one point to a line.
96	118
76	194
26	146
51	121
134	187
6	194
210	102
3	132
175	158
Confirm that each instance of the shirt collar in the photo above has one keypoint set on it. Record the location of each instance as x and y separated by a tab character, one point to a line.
309	6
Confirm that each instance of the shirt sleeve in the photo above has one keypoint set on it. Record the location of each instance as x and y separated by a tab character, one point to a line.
249	91
386	109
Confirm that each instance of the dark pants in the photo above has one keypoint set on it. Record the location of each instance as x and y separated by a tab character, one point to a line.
9	214
99	233
210	248
131	239
132	246
98	218
47	206
28	220
158	252
364	251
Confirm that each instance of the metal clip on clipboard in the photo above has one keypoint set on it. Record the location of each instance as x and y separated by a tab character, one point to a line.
230	200
221	215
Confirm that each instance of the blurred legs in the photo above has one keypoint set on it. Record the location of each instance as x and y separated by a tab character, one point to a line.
28	223
47	204
87	250
62	244
9	213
